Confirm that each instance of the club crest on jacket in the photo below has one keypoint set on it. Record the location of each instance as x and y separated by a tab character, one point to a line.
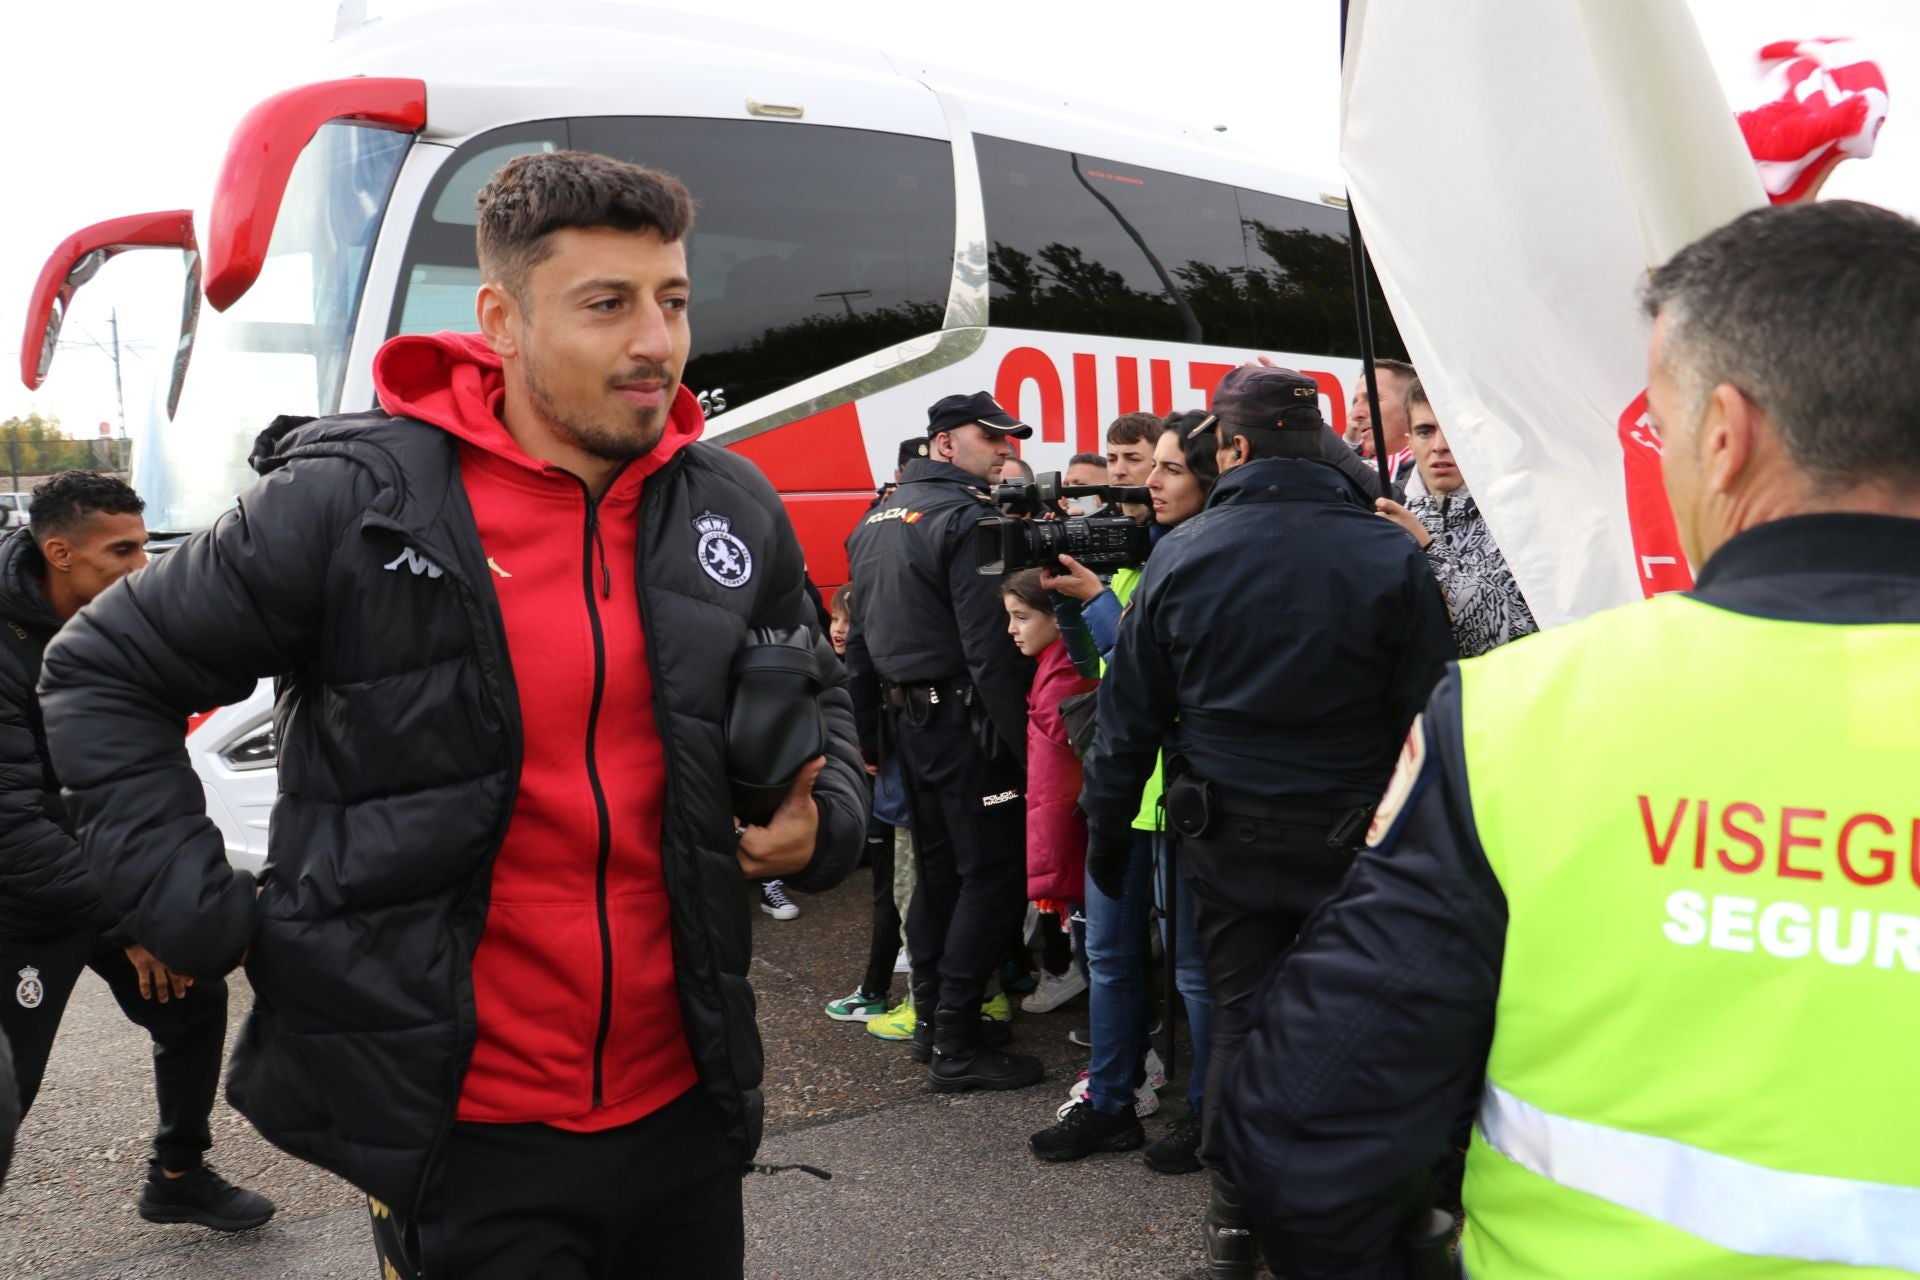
724	557
29	993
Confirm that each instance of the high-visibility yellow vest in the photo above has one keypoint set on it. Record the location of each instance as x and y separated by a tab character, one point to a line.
1125	579
1706	1057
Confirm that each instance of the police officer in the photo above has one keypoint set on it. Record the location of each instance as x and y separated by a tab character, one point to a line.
1644	891
928	653
1279	644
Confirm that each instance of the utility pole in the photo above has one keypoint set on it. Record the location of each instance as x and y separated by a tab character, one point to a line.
113	319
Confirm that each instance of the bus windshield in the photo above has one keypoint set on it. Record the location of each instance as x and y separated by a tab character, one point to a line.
283	347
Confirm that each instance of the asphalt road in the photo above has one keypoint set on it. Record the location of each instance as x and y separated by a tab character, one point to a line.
923	1185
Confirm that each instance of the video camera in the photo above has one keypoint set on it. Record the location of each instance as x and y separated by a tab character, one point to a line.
1104	540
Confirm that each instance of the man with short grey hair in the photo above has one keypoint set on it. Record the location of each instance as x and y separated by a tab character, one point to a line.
1639	892
1393	377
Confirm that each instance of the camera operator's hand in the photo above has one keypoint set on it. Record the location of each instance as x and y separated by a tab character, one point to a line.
1078	581
1404	518
1108	853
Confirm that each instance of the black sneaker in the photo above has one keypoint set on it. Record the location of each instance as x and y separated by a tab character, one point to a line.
204	1198
1083	1131
1178	1150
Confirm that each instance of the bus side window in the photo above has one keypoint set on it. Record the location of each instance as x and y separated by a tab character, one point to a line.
1064	255
1220	265
812	245
1299	281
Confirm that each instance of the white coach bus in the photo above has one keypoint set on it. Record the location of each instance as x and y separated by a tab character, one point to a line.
872	235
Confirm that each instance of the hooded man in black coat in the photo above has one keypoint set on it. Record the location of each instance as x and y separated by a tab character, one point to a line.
87	534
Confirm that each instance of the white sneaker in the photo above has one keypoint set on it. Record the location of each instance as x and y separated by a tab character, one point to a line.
775	902
903	963
1145	1100
1055	990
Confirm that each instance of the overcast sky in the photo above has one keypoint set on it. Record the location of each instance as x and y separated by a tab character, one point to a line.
124	106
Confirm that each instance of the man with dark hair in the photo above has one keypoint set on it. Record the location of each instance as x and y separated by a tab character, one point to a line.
1278	645
1086	468
1083	469
1130	441
87	534
1483	598
1639	893
929	651
501	943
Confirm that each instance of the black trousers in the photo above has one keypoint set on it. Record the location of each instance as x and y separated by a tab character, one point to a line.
189	1033
659	1198
1254	884
970	834
885	946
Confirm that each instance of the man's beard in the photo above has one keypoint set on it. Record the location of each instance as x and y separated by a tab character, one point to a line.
613	441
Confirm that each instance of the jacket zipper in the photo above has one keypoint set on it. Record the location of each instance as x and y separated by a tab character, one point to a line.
605	851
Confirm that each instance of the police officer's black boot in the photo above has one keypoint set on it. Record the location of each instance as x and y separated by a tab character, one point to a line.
1231	1251
925	1000
961	1062
992	1034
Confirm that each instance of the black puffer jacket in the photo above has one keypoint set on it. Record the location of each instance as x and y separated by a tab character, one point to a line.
400	750
45	889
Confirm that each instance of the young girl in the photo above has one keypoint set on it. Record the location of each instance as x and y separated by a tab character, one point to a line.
891	854
1056	833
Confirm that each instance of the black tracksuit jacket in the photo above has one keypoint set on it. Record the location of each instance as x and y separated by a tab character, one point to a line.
400	749
45	888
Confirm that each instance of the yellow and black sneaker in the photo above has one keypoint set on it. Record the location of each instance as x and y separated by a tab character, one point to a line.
897	1024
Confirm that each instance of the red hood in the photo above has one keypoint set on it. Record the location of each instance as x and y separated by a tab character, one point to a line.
454	381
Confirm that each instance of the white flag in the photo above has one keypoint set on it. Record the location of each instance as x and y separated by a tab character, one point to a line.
1517	166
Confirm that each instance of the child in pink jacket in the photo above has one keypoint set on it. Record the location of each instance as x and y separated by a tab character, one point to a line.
1056	832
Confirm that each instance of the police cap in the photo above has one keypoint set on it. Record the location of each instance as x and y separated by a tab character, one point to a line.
1255	396
957	411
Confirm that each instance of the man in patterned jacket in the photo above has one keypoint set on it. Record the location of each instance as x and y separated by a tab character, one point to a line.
1484	600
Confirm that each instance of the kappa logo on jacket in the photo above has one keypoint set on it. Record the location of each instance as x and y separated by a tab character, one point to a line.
724	557
414	563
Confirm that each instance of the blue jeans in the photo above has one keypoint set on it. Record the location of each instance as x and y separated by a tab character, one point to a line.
1117	980
1190	971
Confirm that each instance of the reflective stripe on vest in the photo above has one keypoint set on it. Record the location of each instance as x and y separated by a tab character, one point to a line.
1740	1206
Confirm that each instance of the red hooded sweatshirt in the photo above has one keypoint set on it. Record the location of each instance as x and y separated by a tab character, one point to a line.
579	1017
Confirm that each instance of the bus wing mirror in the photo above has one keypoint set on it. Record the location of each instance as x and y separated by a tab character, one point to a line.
76	261
260	160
